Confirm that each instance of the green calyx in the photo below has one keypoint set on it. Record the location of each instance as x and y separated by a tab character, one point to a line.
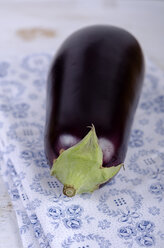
80	169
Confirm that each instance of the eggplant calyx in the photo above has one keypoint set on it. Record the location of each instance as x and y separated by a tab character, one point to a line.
80	169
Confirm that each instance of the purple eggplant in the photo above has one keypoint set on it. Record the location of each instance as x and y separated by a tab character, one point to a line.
93	89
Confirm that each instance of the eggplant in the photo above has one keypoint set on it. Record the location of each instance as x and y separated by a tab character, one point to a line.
93	89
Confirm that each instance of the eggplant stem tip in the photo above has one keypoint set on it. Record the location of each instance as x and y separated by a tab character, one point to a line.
69	190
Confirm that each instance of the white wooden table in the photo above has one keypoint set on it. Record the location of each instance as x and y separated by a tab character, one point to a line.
34	26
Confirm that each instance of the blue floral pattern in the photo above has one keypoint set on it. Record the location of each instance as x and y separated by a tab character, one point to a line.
104	224
4	68
71	216
160	127
154	210
91	240
37	63
156	105
136	138
11	91
146	240
143	161
157	189
127	212
141	234
126	232
24	131
17	111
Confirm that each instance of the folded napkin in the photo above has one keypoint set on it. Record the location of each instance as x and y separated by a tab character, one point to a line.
127	212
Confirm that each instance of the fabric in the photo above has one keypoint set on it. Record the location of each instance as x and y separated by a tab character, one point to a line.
127	212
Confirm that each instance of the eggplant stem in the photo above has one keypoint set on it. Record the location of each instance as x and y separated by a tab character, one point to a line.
69	190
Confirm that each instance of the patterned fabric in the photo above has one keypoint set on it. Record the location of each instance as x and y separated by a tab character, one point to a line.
127	212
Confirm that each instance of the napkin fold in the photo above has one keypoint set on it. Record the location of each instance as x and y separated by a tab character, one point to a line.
127	212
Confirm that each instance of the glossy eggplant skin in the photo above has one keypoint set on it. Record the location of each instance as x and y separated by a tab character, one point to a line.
95	78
